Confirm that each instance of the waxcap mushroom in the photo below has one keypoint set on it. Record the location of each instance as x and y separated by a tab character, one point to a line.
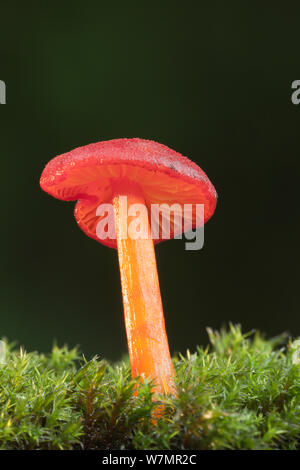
147	173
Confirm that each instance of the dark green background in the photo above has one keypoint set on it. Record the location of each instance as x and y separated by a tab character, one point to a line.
213	82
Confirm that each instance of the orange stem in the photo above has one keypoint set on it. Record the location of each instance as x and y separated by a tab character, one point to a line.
145	327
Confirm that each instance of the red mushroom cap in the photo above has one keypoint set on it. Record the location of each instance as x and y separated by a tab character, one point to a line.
86	174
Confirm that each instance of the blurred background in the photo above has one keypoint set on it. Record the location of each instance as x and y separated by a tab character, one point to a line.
211	81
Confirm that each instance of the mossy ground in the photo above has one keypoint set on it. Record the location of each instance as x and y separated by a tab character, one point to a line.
242	392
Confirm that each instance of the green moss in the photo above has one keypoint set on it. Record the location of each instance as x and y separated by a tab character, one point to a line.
242	392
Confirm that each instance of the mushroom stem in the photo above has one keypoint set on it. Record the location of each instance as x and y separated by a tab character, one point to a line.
144	320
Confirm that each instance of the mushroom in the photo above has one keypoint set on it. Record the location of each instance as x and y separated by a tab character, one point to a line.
147	173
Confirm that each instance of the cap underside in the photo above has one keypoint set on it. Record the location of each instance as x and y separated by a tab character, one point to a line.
92	186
